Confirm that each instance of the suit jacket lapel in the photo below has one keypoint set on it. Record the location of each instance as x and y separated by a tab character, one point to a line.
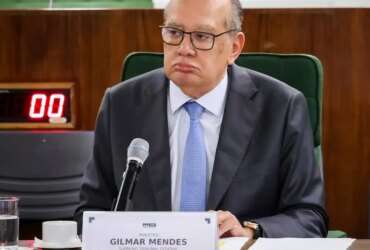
155	131
236	131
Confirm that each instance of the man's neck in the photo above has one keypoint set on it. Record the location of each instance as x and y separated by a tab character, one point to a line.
196	92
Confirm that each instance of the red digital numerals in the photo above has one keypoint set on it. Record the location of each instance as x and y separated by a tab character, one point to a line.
41	105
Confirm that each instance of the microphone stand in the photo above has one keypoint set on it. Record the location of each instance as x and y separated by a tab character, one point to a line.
127	188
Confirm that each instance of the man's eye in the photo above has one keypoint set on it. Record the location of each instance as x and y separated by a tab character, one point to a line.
200	36
173	32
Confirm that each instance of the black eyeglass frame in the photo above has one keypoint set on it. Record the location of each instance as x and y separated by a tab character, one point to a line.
214	36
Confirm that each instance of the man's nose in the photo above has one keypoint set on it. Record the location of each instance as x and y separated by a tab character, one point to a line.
186	47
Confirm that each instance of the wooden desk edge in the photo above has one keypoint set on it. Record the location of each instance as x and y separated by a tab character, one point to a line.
358	244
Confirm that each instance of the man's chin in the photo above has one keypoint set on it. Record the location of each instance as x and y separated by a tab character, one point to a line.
181	79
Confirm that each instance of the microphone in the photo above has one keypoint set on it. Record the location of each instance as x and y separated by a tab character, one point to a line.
137	152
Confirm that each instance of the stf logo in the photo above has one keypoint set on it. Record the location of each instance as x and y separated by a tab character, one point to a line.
149	225
91	219
208	220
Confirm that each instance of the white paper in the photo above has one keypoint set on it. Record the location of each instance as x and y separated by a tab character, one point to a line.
231	243
302	244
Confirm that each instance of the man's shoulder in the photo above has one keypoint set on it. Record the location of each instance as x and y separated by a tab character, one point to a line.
148	81
263	83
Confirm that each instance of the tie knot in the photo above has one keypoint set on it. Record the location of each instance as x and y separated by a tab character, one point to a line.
194	110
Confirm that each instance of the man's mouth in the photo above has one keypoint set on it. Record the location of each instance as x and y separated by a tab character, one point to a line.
184	67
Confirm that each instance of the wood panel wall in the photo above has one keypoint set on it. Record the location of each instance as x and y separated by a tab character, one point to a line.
87	47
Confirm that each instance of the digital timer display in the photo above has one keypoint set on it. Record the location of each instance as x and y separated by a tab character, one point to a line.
54	104
36	105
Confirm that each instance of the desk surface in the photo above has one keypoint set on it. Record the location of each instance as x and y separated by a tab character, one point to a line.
360	245
357	244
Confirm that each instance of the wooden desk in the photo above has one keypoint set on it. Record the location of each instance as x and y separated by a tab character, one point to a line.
357	245
360	245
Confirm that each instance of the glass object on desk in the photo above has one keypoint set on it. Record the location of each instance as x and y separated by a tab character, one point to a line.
9	223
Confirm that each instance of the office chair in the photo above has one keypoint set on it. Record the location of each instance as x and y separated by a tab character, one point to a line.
44	169
301	71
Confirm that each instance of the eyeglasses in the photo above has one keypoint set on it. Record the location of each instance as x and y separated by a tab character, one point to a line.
200	40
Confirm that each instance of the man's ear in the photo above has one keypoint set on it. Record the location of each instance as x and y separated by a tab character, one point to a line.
237	47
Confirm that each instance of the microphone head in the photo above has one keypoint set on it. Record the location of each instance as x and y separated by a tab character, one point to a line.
138	150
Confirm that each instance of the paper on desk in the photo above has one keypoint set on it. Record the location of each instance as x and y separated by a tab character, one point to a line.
302	244
231	243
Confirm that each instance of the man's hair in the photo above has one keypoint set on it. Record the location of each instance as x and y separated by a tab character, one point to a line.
236	17
234	21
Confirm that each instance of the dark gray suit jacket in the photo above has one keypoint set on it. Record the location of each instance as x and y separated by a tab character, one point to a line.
264	167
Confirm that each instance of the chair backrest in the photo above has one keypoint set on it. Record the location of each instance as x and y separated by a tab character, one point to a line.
44	169
301	71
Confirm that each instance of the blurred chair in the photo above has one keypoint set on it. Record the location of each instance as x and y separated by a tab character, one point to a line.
44	169
301	71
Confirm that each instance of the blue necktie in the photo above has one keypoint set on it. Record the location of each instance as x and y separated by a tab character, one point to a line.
194	169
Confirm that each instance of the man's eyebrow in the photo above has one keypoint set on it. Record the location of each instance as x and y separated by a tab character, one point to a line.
205	27
175	25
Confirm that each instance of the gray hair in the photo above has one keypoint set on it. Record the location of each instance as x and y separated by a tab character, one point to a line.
234	21
236	18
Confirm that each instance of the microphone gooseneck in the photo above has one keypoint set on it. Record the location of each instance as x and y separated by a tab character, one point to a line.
137	153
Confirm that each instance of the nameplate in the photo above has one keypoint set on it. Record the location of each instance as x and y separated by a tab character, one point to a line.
149	231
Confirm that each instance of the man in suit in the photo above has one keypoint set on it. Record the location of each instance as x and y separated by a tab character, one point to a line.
221	137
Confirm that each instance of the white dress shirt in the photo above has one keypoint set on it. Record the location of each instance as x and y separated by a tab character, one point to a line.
178	124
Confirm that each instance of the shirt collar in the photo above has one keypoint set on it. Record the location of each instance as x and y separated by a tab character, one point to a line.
213	101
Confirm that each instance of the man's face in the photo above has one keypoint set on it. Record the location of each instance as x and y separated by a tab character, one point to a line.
198	71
